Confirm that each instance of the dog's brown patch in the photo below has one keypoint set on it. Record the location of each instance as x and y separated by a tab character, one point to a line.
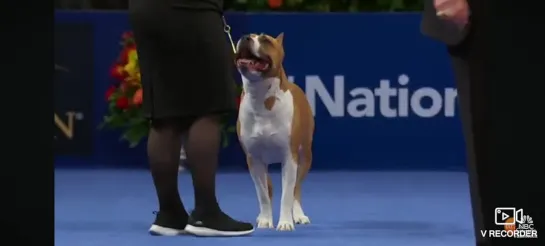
283	80
269	102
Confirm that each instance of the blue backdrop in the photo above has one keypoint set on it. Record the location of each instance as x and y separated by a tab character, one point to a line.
383	94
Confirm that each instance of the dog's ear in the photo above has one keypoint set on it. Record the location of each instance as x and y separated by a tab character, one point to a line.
280	38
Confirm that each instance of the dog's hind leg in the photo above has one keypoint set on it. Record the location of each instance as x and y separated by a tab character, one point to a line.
305	160
258	171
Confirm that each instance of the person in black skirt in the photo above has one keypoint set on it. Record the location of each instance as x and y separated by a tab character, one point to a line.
186	68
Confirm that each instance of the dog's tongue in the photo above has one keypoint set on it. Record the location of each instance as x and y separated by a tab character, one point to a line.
259	66
253	64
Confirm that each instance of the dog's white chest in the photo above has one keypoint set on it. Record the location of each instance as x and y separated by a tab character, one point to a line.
265	134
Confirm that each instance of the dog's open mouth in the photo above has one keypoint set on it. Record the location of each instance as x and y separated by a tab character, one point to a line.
245	59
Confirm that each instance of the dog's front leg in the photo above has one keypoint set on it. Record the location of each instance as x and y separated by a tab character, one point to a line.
289	176
258	171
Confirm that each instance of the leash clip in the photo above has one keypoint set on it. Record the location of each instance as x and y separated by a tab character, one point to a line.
227	30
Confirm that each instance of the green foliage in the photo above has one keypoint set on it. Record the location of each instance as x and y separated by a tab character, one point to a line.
130	120
330	5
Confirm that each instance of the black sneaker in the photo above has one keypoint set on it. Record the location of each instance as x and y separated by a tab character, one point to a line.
220	225
168	224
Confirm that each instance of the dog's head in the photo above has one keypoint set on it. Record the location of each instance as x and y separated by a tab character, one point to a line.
260	56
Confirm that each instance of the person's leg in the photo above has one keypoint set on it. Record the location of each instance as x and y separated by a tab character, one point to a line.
480	123
164	143
202	149
458	55
516	76
506	70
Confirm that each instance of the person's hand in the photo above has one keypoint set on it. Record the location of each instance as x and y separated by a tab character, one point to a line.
456	11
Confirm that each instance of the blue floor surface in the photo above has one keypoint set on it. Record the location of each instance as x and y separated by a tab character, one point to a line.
114	208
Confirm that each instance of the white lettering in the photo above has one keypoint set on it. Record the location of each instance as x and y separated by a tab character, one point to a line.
335	105
509	233
363	106
384	92
424	102
436	102
403	96
451	95
526	226
493	233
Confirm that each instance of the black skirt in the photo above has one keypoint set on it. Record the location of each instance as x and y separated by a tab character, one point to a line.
185	60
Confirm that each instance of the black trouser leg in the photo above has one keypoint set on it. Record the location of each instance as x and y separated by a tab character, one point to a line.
459	56
506	63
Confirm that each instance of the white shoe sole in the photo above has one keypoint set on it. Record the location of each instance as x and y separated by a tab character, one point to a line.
207	232
164	231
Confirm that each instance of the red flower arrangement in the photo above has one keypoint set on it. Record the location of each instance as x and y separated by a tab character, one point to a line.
124	98
275	3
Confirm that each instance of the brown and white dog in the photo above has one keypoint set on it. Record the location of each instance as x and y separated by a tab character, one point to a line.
275	125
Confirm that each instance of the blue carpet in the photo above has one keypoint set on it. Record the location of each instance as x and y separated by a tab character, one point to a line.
114	208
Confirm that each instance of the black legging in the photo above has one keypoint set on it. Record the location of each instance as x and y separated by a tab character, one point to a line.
202	143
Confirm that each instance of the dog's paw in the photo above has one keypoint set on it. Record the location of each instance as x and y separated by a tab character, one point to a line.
301	219
285	226
264	221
